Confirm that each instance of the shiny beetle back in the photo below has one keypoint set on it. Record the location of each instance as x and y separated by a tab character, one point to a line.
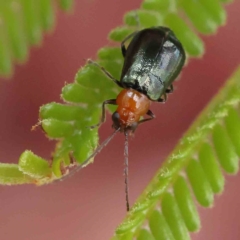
153	59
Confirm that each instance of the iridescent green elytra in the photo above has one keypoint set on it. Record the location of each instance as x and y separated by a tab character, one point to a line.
153	60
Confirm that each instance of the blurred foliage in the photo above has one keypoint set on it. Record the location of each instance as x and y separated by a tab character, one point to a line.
22	25
210	144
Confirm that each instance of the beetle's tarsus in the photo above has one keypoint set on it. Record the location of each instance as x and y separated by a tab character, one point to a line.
163	98
169	89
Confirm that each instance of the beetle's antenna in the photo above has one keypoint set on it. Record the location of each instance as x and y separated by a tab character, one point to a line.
126	168
98	150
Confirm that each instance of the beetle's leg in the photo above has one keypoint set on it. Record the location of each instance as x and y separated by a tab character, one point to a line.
89	61
124	50
103	118
149	113
169	89
163	98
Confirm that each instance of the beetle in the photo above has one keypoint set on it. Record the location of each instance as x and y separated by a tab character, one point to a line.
152	61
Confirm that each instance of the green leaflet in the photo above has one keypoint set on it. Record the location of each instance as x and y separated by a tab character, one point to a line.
10	174
23	23
186	204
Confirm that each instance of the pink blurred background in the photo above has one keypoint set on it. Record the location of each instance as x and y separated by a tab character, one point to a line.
91	204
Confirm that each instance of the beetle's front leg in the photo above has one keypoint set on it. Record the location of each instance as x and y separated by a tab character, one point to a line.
149	113
103	118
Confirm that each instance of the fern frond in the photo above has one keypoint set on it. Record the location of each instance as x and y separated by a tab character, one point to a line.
22	24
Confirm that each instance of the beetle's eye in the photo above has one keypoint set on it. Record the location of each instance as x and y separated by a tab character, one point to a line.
115	119
134	126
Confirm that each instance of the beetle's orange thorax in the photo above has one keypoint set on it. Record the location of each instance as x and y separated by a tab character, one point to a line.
131	106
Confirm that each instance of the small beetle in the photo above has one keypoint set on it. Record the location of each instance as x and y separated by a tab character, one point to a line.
152	61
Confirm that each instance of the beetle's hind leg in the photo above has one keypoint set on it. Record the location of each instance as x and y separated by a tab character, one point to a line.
89	61
103	118
169	89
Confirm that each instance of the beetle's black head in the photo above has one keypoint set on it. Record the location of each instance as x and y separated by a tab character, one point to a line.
117	123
